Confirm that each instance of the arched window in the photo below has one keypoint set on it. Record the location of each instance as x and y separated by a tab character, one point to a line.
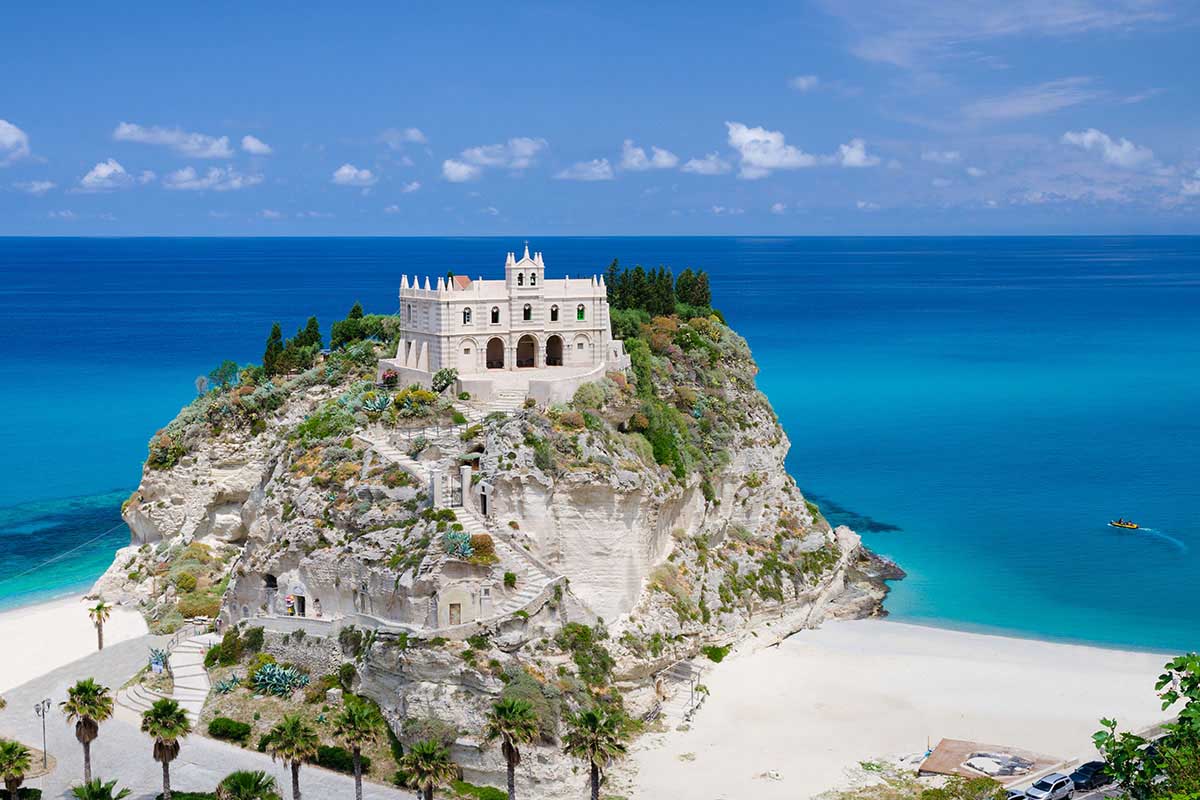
533	279
520	279
579	312
495	315
527	312
554	313
466	316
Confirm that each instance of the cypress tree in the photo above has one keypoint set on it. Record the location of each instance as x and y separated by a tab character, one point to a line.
637	293
274	350
356	312
310	334
684	286
701	293
611	276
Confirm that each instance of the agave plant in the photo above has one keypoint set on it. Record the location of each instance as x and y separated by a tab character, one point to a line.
228	685
376	403
158	657
457	544
279	681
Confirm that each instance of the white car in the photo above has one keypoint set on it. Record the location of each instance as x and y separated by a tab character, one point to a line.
1054	786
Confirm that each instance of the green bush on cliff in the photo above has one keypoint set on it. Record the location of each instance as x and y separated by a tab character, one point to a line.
329	421
588	652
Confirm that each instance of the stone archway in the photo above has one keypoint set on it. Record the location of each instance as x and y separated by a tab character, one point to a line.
527	351
495	353
554	351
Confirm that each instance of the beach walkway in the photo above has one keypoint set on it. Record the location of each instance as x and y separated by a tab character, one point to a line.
123	752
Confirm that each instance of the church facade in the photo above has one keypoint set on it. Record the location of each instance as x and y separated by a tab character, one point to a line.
526	325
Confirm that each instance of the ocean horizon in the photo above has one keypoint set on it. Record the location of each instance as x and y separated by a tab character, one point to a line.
977	408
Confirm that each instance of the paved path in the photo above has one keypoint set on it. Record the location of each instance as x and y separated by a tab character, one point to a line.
123	752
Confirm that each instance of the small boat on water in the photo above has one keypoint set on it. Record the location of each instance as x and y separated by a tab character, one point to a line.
1128	525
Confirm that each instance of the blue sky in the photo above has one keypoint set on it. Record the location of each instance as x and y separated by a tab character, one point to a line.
823	117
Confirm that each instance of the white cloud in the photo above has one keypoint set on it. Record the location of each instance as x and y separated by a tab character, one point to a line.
350	175
762	150
458	172
976	172
1191	188
598	169
854	154
1118	152
270	213
392	209
941	156
722	211
779	208
38	188
410	187
65	214
491	211
1031	101
866	205
711	164
216	179
255	146
313	215
196	145
634	158
804	83
396	138
104	177
941	183
14	143
517	153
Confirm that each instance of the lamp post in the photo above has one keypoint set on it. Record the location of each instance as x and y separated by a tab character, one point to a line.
42	709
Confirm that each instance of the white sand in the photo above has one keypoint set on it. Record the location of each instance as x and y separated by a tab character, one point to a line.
827	699
36	639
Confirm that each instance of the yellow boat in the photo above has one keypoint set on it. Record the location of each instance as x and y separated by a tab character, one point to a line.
1124	523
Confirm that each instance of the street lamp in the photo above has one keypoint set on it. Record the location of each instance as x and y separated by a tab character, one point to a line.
42	709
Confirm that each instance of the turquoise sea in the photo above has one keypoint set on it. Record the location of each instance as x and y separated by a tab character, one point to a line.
977	407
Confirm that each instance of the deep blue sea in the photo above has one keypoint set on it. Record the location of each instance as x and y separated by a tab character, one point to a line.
978	408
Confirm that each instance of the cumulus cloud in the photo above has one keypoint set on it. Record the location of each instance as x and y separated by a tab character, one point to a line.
392	209
104	177
779	208
976	172
866	205
350	175
14	143
410	187
270	213
195	145
762	150
38	188
397	138
941	183
722	211
216	179
854	154
1191	188
598	169
255	146
711	164
1118	152
1031	101
804	83
635	159
459	172
517	153
65	214
941	156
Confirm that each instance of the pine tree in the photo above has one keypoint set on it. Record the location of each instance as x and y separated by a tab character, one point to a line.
274	350
701	294
685	285
356	312
310	334
611	276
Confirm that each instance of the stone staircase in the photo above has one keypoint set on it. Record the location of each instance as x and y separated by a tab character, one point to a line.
507	400
531	577
191	688
386	449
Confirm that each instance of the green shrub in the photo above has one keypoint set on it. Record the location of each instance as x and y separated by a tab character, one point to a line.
185	582
229	729
198	604
229	651
252	642
510	579
464	395
329	421
715	653
470	790
346	674
589	395
339	759
592	658
457	417
443	378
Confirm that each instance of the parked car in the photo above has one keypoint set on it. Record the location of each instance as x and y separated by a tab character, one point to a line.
1014	794
1090	775
1054	786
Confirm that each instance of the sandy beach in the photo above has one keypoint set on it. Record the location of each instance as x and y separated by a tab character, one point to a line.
36	639
827	699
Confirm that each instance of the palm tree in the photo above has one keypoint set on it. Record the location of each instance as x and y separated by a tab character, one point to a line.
596	736
292	741
96	790
14	763
87	705
514	723
429	767
166	723
247	785
357	724
100	614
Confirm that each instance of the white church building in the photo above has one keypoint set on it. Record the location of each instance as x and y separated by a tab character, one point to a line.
527	333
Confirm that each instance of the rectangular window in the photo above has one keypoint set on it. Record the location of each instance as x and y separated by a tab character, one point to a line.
466	351
579	345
